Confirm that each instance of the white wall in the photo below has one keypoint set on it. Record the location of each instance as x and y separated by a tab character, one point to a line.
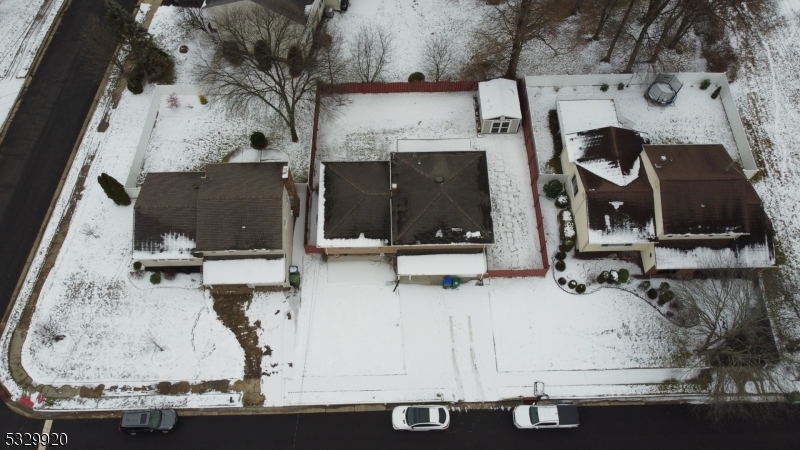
144	138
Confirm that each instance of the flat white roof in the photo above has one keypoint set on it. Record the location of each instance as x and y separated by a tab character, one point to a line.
257	271
469	264
582	115
703	257
434	145
499	98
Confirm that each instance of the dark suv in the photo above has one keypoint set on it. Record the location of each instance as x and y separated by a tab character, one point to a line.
162	420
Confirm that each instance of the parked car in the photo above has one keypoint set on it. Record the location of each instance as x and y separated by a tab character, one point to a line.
163	420
344	5
546	416
421	418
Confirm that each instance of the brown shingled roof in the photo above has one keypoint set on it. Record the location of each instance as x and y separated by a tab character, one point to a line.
356	200
703	191
234	207
617	145
441	197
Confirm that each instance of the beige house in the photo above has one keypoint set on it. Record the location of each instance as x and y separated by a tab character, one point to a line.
236	221
301	16
415	206
678	206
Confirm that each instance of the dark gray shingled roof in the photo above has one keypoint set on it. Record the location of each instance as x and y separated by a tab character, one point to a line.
234	207
441	196
291	9
357	200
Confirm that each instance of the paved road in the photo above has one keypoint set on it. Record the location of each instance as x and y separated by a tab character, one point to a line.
40	139
618	427
11	422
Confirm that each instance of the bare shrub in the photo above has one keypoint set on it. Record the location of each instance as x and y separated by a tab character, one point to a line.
371	51
438	58
50	331
89	231
172	101
192	19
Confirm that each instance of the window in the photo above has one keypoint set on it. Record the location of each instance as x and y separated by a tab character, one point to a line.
500	126
574	182
495	127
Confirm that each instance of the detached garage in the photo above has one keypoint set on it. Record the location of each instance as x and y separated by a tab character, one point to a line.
498	105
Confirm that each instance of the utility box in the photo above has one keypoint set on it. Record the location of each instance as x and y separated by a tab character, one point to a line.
294	276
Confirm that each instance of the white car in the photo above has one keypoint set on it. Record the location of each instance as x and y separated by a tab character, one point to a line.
421	418
546	416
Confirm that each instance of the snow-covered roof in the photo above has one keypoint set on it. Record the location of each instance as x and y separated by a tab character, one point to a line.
172	246
582	115
434	145
668	258
258	271
610	152
499	98
621	234
470	264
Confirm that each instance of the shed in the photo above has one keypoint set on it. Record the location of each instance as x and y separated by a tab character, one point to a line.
498	106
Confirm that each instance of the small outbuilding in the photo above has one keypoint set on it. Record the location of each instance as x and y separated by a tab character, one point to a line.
498	106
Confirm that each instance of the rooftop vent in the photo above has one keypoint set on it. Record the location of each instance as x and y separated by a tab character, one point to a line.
665	89
439	179
663	158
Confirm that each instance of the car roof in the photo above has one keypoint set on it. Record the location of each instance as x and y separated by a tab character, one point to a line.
135	418
547	413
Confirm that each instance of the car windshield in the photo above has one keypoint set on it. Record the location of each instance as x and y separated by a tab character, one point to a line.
534	415
417	415
155	419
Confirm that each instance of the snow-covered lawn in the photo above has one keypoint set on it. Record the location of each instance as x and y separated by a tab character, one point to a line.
695	118
369	127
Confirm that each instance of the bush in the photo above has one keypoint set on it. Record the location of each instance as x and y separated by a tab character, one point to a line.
705	84
552	123
663	287
567	245
170	273
566	228
572	284
560	256
652	294
137	265
553	188
560	266
203	99
621	86
716	92
604	87
613	276
113	189
155	278
562	201
416	76
644	285
295	60
135	87
662	300
624	275
667	296
580	289
258	140
562	281
676	305
603	277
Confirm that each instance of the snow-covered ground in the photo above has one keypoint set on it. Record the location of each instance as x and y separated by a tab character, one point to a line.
368	128
23	27
695	118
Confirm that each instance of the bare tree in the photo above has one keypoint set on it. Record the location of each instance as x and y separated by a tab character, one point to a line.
192	19
515	23
152	343
603	16
619	31
438	58
488	57
265	63
371	51
654	10
333	63
725	326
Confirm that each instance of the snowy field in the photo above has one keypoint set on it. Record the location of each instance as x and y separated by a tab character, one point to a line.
695	118
368	128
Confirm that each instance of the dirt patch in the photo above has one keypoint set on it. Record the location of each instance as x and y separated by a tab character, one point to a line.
231	310
87	392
